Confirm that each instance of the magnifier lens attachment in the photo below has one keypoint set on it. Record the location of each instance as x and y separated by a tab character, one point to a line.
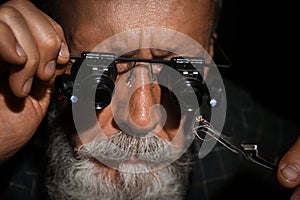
93	75
91	80
188	93
98	91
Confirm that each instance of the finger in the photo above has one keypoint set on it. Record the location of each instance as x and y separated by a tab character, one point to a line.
64	54
20	79
47	40
10	50
296	194
288	173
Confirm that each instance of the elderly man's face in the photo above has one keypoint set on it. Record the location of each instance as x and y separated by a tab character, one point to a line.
133	123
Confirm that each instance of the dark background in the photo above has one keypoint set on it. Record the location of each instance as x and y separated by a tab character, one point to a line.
259	38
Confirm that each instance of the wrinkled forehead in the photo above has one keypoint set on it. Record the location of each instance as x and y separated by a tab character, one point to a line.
87	23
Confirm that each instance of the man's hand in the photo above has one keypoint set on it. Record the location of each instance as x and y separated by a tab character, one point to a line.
32	46
288	173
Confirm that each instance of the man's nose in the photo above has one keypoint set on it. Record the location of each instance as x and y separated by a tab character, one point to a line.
144	113
143	110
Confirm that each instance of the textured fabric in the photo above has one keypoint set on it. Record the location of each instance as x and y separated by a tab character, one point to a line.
221	174
21	176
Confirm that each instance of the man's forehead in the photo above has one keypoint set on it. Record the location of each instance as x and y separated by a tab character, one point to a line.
149	37
96	21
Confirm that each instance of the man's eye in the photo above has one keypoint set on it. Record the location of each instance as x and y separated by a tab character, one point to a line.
159	54
129	54
164	56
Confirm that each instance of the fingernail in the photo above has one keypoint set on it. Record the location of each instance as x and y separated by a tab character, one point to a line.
290	172
20	51
27	85
50	68
296	197
64	51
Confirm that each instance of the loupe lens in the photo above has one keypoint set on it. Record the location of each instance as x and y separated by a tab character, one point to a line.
187	91
104	92
100	91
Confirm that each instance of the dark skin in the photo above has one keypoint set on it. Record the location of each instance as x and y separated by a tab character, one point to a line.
33	53
26	79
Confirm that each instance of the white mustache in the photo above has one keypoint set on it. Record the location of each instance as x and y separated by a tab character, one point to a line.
122	147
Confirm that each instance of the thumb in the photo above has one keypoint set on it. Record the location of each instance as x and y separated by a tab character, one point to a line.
288	173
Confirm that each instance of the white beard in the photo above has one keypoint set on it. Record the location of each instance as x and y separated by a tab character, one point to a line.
70	177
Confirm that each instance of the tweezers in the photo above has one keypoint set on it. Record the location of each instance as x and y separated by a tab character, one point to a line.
248	151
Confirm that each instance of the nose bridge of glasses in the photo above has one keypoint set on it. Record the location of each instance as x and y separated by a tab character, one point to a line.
131	65
141	74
